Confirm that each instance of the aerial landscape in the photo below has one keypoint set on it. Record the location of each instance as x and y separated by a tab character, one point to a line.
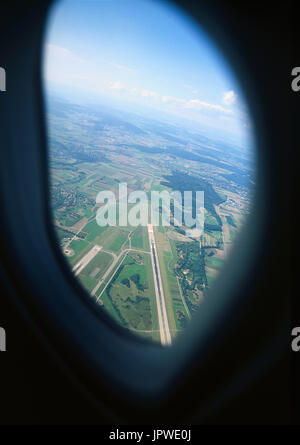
94	150
134	109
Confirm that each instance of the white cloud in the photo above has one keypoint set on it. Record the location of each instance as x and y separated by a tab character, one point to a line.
171	103
122	67
147	93
133	91
60	52
198	104
172	100
229	97
116	85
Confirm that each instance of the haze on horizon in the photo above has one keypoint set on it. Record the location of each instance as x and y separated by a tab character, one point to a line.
144	54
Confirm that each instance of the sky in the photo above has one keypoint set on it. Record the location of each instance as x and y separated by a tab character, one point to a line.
143	52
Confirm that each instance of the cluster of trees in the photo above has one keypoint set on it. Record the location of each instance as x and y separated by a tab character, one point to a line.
230	220
191	257
108	293
236	174
218	245
63	233
181	318
136	279
183	182
138	299
145	148
141	309
126	282
213	227
68	154
241	178
190	270
87	155
104	121
140	312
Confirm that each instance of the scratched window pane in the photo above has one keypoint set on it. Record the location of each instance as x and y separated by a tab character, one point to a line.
151	158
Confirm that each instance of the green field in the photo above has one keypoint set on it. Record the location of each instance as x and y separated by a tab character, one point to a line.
113	238
104	149
214	263
93	230
139	239
175	308
131	294
78	245
91	274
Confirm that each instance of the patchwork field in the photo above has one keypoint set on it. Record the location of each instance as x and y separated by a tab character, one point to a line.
88	157
131	293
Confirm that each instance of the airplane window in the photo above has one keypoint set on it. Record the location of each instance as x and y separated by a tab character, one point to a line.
151	157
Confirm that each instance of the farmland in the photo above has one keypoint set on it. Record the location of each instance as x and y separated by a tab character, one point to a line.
94	150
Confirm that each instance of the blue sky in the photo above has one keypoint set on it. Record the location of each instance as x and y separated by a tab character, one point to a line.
143	52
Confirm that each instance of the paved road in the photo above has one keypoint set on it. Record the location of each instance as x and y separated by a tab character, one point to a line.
164	329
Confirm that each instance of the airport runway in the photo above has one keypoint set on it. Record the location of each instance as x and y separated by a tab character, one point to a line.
86	259
164	329
165	335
